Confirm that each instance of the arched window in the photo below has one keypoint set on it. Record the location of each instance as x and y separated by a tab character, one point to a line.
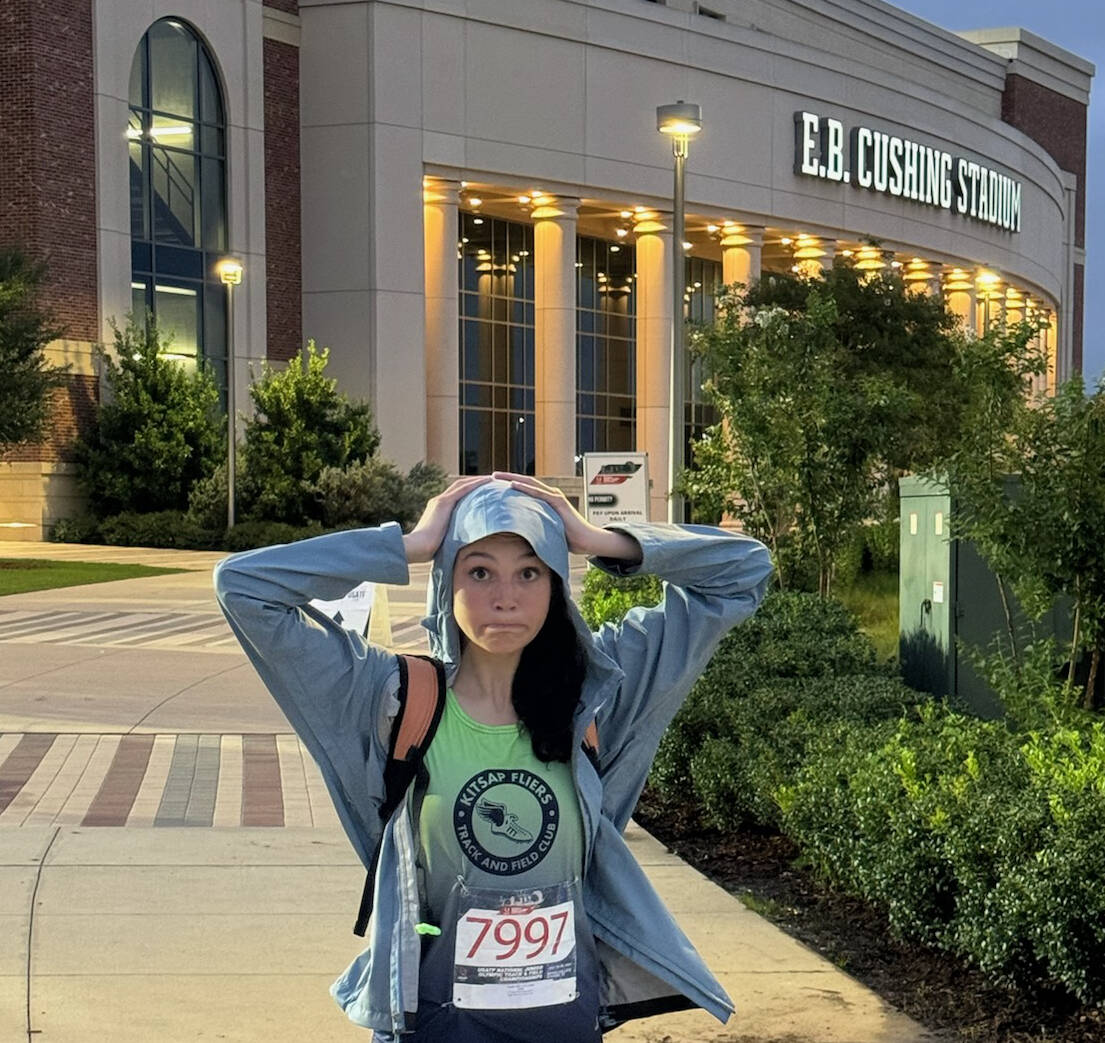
177	141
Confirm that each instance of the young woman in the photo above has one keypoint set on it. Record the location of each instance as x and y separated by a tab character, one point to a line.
507	907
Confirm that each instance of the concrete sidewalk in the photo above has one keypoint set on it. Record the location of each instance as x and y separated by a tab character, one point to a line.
177	922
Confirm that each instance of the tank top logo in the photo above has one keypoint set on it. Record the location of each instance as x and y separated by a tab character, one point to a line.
506	820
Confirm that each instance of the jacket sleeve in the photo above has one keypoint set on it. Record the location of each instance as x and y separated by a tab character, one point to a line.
713	580
332	685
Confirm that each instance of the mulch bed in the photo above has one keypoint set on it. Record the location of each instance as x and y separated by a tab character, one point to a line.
937	990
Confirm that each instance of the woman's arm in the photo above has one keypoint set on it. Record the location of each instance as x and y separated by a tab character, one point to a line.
713	580
330	684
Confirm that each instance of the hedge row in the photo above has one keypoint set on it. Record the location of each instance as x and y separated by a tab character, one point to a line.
975	837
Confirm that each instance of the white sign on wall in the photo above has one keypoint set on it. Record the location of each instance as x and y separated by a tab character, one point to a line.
353	610
615	487
905	169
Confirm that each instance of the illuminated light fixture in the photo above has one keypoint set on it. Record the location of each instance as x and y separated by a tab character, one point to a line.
698	286
957	280
686	245
988	278
523	253
477	220
579	264
895	264
847	253
786	240
523	200
621	233
615	249
515	258
869	259
626	213
794	268
482	254
711	229
464	239
464	184
602	277
473	201
639	209
681	120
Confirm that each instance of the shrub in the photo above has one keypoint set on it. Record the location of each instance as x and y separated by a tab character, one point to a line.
374	491
26	328
606	598
302	426
158	529
249	534
207	500
158	433
792	636
765	737
81	529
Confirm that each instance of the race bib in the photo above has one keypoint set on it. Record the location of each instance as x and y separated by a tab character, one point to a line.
515	950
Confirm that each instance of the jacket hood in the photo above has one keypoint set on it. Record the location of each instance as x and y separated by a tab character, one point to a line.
493	508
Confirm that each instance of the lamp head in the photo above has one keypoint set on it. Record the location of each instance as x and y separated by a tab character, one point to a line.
230	270
682	119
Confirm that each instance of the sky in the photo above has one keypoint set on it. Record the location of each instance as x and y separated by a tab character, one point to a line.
1077	26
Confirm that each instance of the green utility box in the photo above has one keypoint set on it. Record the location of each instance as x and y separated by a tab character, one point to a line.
947	595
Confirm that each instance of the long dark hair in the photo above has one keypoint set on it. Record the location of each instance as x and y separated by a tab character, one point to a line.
548	683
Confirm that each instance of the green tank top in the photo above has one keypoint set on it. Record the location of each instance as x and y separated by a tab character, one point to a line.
493	813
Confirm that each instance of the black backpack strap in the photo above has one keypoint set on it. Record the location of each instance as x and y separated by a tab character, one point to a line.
421	702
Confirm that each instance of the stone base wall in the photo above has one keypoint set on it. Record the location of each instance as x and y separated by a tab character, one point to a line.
33	495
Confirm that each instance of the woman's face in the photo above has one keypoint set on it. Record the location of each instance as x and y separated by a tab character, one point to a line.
501	593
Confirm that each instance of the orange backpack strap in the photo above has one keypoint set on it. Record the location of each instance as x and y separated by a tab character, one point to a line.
591	740
421	697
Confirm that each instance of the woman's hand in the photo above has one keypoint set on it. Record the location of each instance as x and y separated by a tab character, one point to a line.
582	536
422	541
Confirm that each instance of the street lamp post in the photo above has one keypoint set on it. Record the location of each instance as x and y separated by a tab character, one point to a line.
681	121
230	272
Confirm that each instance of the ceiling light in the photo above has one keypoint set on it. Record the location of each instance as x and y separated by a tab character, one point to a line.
621	232
473	201
785	240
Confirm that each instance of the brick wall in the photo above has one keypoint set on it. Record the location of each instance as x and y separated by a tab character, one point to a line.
1056	122
73	410
47	150
283	277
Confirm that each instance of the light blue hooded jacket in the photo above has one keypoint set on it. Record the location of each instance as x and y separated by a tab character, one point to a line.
339	694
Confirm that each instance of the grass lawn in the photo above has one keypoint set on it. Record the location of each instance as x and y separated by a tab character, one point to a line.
874	599
19	575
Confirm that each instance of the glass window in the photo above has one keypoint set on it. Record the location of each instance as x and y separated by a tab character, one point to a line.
495	273
606	305
176	139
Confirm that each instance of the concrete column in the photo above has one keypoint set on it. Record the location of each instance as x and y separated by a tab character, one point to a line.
813	256
554	293
654	318
989	300
741	254
920	277
1052	340
442	338
959	296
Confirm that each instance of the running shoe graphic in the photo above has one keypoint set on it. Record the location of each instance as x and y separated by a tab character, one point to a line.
503	823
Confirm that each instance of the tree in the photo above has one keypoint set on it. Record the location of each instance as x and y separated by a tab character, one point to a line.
158	432
25	330
302	425
1032	497
828	389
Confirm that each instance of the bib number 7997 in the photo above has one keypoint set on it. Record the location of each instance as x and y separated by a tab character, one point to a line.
528	936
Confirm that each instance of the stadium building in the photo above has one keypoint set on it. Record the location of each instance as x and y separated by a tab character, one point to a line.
468	201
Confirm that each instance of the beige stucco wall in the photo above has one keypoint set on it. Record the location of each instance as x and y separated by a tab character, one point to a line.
562	93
